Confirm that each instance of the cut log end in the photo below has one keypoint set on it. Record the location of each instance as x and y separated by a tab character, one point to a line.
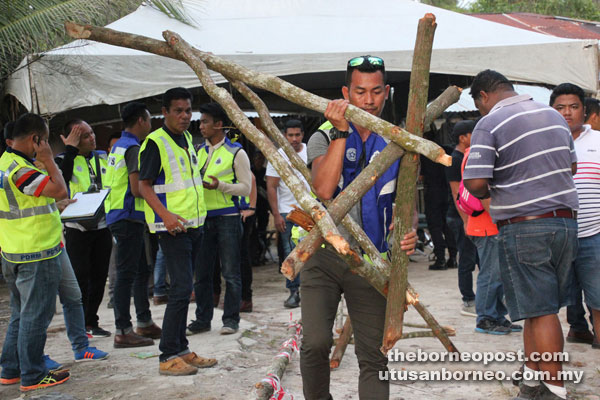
339	243
444	159
76	31
430	16
287	270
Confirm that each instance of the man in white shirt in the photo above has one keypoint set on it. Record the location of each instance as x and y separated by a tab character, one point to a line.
568	99
281	200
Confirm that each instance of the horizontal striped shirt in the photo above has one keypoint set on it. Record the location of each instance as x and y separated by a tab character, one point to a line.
587	180
525	149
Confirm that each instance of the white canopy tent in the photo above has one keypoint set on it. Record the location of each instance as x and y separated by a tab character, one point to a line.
290	37
466	103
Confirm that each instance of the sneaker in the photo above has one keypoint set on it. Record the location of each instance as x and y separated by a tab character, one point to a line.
96	331
438	265
228	330
52	379
491	327
10	381
51	364
527	392
90	354
293	301
199	362
468	308
513	327
545	394
197	327
580	337
176	367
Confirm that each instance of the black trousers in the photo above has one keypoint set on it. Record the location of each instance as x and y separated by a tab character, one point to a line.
436	207
89	252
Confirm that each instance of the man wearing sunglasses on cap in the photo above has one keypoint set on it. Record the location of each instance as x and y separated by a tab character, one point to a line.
337	153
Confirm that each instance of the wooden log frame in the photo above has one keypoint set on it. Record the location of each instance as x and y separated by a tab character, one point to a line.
262	81
266	387
406	183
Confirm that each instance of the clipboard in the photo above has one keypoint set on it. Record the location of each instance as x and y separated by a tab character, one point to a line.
88	208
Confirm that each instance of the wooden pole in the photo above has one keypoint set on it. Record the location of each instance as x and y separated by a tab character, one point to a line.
342	343
263	81
407	182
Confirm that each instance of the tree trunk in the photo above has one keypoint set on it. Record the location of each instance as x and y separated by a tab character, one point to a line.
406	183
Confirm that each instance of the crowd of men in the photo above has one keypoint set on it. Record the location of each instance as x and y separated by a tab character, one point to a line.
534	168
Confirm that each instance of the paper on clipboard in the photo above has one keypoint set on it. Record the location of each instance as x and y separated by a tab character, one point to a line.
87	205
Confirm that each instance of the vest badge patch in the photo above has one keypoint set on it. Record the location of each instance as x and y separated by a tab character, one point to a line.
351	154
218	161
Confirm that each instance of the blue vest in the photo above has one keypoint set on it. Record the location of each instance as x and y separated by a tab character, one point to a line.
128	211
376	204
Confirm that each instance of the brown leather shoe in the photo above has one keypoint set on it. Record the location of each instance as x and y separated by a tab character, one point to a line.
246	306
580	337
158	300
197	361
152	331
176	367
131	340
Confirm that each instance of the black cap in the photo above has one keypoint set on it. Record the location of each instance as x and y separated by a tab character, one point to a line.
463	128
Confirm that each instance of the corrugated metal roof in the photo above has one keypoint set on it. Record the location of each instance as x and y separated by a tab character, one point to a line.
547	24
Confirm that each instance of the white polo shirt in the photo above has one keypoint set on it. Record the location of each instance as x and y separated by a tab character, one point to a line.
285	197
587	181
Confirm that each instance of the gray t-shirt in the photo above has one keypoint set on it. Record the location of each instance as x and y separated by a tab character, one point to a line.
317	146
525	149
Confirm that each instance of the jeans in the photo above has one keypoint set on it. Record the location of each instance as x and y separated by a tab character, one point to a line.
132	271
223	233
536	265
70	298
89	252
324	278
288	246
576	312
488	298
587	270
33	287
246	262
182	254
160	274
467	257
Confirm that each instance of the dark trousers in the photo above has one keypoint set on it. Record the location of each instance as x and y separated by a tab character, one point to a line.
132	270
182	253
245	261
467	258
436	207
324	278
89	252
221	233
576	312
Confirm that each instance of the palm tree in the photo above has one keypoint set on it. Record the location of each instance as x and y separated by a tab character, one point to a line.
34	26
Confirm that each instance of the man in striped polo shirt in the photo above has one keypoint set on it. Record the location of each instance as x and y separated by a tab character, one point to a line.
523	156
568	99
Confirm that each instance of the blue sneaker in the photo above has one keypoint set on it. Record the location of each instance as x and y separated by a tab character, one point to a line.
513	327
51	364
90	354
491	327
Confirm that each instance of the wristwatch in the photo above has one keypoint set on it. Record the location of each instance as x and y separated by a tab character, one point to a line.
334	134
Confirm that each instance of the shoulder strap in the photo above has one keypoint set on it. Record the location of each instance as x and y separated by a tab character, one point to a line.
98	170
325	135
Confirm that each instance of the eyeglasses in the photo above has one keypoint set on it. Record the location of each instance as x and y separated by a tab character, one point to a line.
374	61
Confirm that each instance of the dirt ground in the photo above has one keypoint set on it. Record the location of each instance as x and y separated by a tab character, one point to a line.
245	357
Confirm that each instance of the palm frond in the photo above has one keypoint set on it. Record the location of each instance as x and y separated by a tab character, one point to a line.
34	26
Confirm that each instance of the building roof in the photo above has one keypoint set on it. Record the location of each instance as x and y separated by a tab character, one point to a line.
547	24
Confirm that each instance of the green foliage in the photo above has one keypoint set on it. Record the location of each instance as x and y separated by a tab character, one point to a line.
447	4
579	9
34	26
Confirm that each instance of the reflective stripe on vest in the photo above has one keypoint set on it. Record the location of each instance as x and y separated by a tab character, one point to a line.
190	223
31	257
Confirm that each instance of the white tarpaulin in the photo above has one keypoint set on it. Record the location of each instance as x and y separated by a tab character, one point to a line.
466	103
286	37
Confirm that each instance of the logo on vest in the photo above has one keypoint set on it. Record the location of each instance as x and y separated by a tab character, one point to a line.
182	161
351	154
218	161
103	170
1	179
194	159
79	168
